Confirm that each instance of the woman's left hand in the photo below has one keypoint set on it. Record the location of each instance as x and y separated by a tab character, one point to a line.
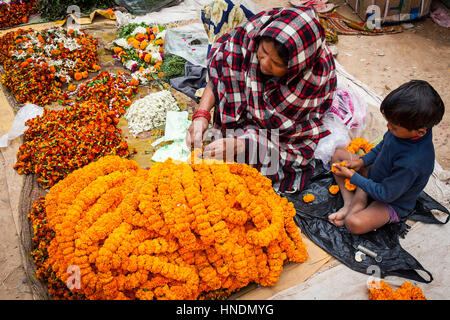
224	149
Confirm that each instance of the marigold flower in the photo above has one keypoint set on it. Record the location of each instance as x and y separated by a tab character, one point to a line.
308	198
334	189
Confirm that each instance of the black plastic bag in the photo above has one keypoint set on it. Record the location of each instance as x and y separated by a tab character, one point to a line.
144	6
312	218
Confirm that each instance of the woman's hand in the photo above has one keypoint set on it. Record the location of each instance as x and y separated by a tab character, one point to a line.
343	171
224	149
194	135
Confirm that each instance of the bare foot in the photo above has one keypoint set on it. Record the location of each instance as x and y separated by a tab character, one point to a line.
338	217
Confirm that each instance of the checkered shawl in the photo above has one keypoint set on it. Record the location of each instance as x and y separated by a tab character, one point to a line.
287	108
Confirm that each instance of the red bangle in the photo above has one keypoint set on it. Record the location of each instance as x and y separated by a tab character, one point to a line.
202	113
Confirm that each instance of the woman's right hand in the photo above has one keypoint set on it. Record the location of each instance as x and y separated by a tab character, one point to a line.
194	135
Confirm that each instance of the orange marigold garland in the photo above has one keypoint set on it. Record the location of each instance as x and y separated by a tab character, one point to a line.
358	144
176	231
407	291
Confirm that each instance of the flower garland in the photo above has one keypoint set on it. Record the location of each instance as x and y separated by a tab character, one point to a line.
140	48
38	63
406	292
358	144
16	12
176	231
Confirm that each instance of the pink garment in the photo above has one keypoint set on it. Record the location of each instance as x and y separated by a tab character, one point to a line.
441	17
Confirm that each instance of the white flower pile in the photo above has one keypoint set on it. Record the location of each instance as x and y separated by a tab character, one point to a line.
150	112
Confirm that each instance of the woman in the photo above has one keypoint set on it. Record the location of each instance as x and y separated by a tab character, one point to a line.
270	80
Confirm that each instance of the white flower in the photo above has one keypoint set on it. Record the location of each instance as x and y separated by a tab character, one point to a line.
139	30
129	64
122	42
161	34
157	56
150	112
151	48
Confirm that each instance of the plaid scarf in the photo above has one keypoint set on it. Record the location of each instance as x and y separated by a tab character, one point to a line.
287	108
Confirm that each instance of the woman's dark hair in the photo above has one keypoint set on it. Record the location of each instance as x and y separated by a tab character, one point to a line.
413	105
281	49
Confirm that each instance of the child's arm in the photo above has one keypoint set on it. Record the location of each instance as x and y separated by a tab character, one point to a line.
390	188
370	156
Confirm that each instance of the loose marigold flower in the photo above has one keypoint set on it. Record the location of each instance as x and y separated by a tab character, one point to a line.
308	198
334	189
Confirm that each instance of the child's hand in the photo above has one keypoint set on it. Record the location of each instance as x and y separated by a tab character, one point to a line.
355	164
343	171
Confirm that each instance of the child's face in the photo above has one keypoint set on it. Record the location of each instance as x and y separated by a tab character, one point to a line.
404	133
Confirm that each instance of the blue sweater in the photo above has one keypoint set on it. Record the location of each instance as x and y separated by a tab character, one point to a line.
400	171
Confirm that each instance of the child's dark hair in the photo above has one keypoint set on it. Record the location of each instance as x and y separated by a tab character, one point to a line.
281	49
413	105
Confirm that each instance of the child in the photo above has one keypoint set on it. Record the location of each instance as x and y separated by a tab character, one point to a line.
398	168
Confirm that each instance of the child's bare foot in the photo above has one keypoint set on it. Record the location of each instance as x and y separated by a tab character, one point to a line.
338	217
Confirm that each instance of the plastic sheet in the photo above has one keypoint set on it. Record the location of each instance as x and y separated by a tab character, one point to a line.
345	119
177	124
312	218
351	109
338	138
144	6
28	111
189	42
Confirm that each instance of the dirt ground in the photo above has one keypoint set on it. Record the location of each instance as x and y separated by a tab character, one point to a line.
383	62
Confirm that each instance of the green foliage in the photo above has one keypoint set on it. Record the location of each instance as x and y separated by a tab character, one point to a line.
57	9
172	67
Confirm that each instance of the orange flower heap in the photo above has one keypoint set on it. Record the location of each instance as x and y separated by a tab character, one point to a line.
16	12
176	231
38	63
406	292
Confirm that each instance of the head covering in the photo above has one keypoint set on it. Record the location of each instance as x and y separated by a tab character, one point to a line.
293	104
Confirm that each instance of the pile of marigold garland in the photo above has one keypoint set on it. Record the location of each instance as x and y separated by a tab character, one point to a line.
38	63
383	291
176	231
16	12
61	141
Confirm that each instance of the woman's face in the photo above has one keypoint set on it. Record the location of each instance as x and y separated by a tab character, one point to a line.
270	62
